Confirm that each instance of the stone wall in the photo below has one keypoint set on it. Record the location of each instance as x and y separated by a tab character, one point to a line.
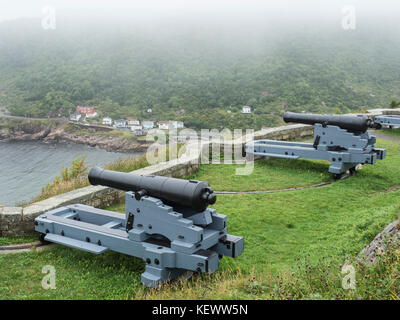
19	220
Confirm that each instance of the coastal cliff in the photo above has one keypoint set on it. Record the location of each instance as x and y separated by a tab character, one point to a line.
59	132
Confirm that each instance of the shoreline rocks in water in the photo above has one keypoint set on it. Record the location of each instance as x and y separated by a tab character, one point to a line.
59	135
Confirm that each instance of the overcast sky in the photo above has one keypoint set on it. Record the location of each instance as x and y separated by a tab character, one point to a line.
272	15
140	9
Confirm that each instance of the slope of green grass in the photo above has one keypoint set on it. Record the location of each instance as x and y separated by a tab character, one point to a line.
392	132
295	243
268	174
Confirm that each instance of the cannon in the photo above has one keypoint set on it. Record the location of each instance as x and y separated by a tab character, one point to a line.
167	223
387	120
343	140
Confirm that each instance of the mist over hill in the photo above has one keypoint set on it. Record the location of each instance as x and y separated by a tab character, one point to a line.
210	68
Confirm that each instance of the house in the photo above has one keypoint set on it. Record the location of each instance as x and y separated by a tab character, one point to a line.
181	111
163	125
149	110
148	125
138	130
75	117
133	122
91	115
121	123
90	112
246	109
107	121
133	128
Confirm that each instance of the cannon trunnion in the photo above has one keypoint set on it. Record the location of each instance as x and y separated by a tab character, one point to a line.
166	223
343	140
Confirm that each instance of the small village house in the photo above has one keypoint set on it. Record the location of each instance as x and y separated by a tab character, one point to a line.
138	130
148	124
246	109
133	128
133	122
120	123
88	111
149	110
75	117
107	121
163	125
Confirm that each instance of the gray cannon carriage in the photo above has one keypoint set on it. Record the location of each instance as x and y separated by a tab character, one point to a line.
167	224
387	120
342	140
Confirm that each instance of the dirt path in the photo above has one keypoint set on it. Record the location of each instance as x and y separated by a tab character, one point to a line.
381	135
276	190
24	247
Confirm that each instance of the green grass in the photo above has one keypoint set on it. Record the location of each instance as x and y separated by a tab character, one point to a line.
392	132
20	239
295	241
268	174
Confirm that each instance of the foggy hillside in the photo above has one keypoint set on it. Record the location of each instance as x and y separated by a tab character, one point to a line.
206	64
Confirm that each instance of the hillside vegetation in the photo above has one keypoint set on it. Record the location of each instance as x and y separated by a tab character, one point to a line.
205	71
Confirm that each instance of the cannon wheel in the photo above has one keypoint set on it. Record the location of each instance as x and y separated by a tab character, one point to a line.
41	239
345	175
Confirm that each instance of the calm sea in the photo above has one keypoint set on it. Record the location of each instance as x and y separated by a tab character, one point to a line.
25	167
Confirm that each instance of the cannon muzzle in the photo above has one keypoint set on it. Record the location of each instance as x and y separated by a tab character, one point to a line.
352	123
188	193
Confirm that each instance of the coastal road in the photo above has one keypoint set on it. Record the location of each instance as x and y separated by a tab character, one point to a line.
3	115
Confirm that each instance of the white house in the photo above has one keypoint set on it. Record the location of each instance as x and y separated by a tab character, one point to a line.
133	128
246	109
148	125
107	121
75	117
133	122
91	115
138	130
163	125
121	123
149	110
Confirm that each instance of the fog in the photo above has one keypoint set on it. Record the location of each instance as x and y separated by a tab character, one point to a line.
233	13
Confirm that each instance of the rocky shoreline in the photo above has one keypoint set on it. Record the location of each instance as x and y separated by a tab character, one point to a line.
59	135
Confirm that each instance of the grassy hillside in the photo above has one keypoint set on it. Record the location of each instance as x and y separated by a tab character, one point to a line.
295	242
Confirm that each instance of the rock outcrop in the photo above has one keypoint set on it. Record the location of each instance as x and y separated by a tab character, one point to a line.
51	134
391	234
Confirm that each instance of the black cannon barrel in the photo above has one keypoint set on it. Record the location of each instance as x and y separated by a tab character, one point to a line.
352	123
189	193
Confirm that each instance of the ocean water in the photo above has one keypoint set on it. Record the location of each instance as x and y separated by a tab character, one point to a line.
25	167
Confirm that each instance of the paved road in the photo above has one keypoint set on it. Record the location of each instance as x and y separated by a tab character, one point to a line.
381	135
2	115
